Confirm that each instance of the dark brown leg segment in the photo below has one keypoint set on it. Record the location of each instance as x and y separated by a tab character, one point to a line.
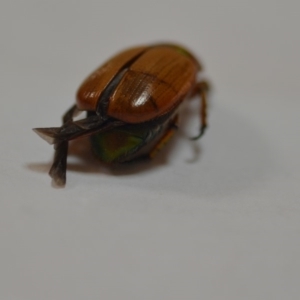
59	166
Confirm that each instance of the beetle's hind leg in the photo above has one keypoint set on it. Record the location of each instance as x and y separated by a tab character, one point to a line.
59	166
202	88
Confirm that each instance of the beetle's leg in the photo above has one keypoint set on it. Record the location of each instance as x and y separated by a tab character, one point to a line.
58	169
72	130
60	136
70	114
202	89
59	166
165	138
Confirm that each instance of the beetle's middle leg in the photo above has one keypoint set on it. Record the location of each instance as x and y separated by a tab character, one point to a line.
165	138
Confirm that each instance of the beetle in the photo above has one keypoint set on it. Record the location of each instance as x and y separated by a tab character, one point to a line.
132	104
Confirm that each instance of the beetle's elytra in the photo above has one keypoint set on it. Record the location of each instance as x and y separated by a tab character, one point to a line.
132	104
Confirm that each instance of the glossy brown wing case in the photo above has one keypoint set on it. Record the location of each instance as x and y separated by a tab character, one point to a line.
90	90
153	84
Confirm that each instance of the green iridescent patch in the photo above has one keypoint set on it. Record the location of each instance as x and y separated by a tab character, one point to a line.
115	144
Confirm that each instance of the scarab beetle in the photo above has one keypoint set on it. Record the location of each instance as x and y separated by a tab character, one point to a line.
132	104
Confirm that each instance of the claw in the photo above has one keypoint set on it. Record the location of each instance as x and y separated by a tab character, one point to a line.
201	133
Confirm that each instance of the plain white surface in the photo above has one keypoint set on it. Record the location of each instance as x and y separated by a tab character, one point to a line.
216	219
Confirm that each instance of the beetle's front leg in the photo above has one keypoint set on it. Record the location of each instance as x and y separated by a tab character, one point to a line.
60	136
202	88
59	166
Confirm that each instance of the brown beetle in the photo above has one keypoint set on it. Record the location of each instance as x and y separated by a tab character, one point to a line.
132	104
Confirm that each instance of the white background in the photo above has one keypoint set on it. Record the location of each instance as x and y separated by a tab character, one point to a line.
213	219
